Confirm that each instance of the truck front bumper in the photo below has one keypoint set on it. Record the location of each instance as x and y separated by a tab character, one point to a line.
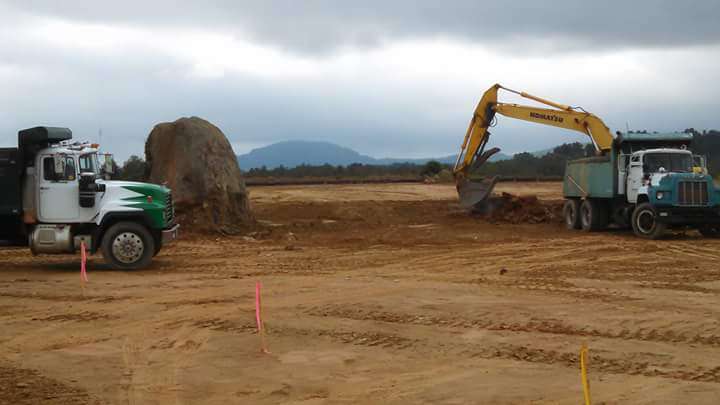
169	235
688	215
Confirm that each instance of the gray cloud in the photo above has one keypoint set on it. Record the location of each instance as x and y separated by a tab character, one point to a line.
125	91
325	25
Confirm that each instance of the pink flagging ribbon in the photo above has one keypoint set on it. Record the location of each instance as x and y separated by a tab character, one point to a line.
258	319
83	260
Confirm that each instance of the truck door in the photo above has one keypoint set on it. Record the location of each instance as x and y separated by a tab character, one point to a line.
58	193
634	178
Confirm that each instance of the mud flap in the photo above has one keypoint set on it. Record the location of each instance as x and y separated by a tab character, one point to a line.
474	194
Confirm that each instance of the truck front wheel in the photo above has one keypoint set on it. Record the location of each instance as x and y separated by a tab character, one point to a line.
645	223
128	246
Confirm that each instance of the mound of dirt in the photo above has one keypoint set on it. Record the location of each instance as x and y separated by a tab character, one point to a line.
525	209
196	161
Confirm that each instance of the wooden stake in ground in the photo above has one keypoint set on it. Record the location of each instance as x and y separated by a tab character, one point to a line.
258	318
83	270
583	373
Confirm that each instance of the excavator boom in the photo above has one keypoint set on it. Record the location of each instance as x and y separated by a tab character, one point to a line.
473	154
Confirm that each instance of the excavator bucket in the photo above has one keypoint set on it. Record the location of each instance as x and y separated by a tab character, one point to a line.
474	194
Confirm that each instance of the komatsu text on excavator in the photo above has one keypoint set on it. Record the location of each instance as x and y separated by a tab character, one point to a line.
647	181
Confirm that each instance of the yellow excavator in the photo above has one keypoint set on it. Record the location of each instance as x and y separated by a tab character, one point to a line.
473	194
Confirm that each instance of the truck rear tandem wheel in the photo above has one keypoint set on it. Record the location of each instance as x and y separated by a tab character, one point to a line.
593	215
571	213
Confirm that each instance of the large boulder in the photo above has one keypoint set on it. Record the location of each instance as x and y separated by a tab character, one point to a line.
195	159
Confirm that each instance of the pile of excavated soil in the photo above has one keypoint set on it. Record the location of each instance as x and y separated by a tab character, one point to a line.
20	386
520	209
197	162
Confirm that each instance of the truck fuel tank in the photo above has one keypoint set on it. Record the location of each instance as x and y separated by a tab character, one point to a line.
51	239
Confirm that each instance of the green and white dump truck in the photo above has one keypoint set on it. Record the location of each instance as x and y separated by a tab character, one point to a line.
647	181
53	199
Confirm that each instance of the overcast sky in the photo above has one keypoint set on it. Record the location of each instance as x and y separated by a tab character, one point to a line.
387	78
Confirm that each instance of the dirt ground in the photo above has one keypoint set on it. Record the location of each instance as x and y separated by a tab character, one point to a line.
371	294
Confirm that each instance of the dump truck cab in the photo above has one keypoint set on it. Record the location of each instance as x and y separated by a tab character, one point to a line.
58	200
677	185
654	174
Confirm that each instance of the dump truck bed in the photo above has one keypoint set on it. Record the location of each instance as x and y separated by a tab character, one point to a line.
11	196
592	177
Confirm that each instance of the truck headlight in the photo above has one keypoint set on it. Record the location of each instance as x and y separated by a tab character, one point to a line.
660	195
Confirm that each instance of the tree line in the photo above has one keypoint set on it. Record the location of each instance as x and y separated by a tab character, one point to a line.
523	164
707	143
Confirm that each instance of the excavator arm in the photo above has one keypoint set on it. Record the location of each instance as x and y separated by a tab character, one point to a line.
473	154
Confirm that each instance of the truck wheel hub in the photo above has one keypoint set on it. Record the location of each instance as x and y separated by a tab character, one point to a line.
646	221
128	247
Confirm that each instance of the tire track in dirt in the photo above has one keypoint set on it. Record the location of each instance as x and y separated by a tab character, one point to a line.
85	316
201	301
683	249
556	327
223	325
691	288
596	363
555	287
349	337
392	341
665	273
548	271
579	258
65	298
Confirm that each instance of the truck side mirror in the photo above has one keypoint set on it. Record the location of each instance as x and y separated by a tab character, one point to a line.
87	190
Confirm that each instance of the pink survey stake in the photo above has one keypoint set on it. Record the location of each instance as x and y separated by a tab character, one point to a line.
83	259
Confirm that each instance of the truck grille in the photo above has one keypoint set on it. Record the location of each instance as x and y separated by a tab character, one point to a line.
169	209
692	193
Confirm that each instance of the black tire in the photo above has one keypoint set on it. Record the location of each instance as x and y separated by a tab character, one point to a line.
709	231
593	215
645	224
571	213
128	246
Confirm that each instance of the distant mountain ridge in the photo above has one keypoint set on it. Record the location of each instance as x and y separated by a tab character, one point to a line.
295	153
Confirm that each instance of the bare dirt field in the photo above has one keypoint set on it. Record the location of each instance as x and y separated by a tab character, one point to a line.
372	294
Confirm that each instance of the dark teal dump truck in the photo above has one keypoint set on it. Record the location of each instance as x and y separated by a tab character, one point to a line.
649	182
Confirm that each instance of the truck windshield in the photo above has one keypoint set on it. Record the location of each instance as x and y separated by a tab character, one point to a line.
671	162
88	163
